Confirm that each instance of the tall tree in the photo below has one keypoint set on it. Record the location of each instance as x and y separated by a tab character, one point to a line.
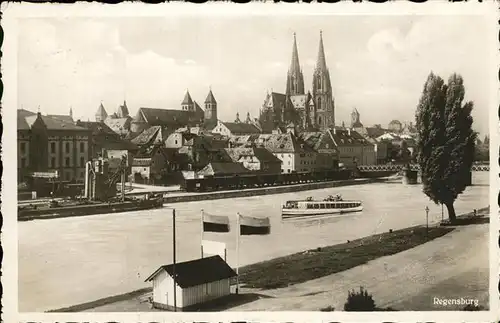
446	140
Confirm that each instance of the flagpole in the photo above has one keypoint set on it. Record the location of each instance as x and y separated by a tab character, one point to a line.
202	229
173	267
238	232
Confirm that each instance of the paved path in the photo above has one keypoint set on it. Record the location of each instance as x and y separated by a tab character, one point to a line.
453	266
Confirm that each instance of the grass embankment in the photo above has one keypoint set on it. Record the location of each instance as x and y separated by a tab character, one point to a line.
320	262
103	301
481	216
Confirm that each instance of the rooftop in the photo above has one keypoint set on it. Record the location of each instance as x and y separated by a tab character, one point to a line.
241	128
197	272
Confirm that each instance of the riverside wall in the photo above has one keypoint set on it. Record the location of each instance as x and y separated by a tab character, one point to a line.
188	197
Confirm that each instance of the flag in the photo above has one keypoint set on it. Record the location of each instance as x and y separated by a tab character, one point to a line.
213	248
254	226
215	223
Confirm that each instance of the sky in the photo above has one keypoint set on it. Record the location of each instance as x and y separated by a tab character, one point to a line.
378	64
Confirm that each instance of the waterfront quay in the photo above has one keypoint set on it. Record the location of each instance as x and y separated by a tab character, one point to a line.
104	255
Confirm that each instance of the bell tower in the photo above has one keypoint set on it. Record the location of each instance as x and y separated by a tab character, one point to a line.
210	109
322	91
295	78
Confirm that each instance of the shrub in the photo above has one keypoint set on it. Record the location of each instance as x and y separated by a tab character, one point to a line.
359	301
328	309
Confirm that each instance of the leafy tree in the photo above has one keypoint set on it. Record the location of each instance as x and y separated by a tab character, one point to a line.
446	140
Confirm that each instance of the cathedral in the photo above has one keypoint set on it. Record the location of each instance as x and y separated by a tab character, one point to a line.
309	111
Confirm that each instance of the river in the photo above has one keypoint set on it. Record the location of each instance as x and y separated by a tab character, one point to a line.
67	261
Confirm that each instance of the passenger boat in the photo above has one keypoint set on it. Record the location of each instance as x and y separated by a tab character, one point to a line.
309	207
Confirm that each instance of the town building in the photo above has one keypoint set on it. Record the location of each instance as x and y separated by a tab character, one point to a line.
353	148
190	114
118	121
257	159
107	143
149	165
314	110
401	147
295	155
197	283
236	128
327	154
152	136
51	144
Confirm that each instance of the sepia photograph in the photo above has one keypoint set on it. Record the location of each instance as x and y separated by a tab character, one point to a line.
254	162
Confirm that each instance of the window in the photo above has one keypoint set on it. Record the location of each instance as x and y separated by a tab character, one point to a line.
67	148
82	161
23	162
176	142
66	162
23	147
52	162
82	147
53	147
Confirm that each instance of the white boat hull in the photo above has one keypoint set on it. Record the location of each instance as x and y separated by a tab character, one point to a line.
297	213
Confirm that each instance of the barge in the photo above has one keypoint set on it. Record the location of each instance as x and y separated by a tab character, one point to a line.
71	208
99	196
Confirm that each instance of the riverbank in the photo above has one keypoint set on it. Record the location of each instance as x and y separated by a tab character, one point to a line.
454	266
300	268
178	197
320	262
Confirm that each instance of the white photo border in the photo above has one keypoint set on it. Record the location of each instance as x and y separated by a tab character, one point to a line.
14	11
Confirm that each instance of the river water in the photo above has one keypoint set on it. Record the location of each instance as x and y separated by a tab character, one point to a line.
63	262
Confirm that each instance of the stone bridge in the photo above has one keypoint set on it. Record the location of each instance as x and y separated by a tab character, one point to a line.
414	167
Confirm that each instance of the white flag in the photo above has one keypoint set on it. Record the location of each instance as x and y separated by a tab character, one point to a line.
214	248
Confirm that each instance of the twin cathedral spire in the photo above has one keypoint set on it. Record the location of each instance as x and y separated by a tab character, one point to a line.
311	110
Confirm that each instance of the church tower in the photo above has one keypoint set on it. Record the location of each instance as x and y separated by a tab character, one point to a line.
210	109
295	78
322	91
187	104
101	114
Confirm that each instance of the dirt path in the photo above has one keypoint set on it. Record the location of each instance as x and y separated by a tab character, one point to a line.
453	266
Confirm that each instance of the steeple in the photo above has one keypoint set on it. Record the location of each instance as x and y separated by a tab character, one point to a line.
248	119
210	110
210	98
295	78
321	63
123	110
237	120
187	99
187	104
322	91
101	114
71	112
295	65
